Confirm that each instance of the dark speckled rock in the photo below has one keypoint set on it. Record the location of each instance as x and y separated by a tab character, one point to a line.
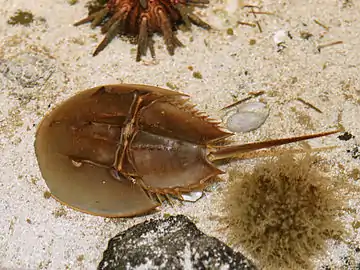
171	243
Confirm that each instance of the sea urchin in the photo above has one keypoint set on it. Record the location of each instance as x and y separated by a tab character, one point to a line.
283	212
142	18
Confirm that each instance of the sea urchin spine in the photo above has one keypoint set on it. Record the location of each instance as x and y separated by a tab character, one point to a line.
142	18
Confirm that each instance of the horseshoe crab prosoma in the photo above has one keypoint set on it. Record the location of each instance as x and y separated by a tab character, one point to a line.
108	150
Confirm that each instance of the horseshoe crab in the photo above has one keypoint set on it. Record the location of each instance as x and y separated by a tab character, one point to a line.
111	149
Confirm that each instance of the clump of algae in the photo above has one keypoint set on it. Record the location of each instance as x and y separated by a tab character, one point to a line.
283	212
21	17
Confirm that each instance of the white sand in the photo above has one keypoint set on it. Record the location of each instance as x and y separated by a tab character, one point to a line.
38	233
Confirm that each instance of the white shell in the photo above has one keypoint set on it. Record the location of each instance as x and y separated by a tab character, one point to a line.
248	117
232	6
192	196
252	107
280	37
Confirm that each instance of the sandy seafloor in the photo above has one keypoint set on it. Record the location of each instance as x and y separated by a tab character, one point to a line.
39	233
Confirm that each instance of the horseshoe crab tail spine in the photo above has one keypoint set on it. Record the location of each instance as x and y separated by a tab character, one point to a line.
235	150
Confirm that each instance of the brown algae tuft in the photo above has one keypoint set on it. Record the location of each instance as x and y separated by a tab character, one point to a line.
283	212
21	17
197	75
72	2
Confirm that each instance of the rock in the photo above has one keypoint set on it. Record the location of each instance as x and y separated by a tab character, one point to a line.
29	70
32	77
170	243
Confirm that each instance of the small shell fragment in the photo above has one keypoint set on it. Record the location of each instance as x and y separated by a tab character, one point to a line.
192	196
280	37
248	117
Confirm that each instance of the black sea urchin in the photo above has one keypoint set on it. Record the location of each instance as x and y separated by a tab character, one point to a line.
142	18
283	212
